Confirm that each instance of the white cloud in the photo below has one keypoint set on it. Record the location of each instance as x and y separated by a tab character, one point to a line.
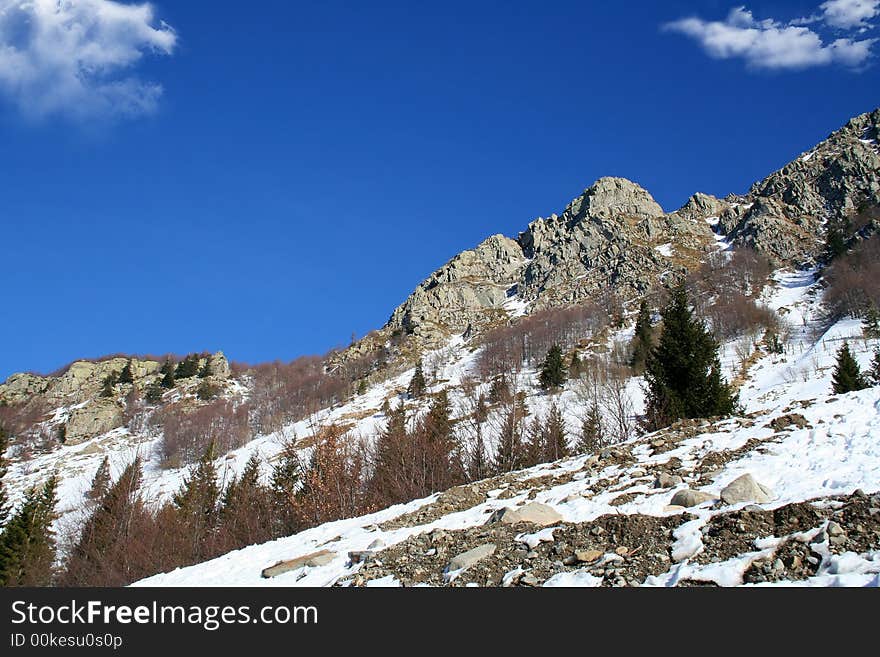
849	14
769	44
74	57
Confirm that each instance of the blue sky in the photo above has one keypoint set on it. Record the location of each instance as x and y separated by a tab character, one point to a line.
183	177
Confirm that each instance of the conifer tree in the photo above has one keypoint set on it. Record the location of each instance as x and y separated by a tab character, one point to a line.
871	323
4	464
27	543
847	376
836	237
875	368
510	454
417	384
107	387
553	373
101	481
555	438
126	376
284	484
100	557
534	450
245	513
197	502
362	387
643	339
442	449
592	437
153	394
206	370
188	367
683	371
167	372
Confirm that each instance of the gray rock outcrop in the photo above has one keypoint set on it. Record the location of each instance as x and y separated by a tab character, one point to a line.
783	215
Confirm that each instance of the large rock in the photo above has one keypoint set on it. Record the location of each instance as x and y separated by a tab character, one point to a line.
534	512
688	498
469	558
22	387
321	558
746	489
92	420
462	291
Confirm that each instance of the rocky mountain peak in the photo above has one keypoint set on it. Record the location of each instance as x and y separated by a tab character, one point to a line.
784	214
614	197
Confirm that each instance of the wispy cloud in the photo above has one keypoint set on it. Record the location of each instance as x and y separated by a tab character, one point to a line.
75	57
771	44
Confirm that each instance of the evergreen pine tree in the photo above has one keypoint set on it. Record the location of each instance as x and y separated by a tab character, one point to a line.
535	449
125	376
153	395
101	481
206	370
4	464
27	544
875	368
187	368
643	339
245	513
553	373
511	451
100	557
442	449
284	484
417	384
683	371
107	387
197	503
592	437
871	323
836	237
362	387
167	372
847	376
555	439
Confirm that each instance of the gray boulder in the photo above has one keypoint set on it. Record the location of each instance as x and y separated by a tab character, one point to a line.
534	512
321	558
469	558
689	498
746	489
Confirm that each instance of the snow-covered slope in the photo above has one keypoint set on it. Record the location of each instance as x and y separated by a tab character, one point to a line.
818	453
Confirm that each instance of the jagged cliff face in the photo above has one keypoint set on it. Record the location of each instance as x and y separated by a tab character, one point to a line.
613	236
81	412
783	215
616	236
